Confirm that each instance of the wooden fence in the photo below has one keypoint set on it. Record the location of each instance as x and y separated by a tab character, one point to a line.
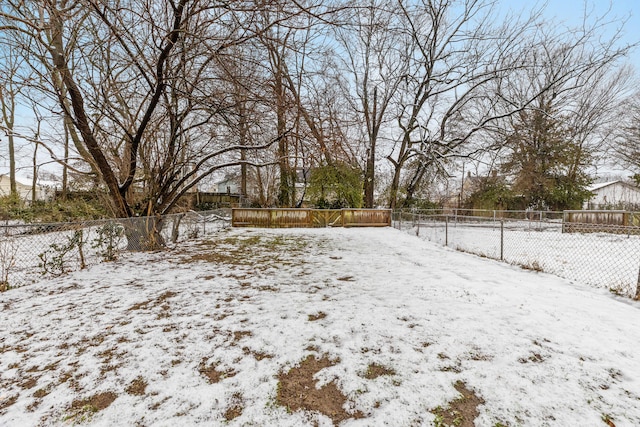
307	218
607	221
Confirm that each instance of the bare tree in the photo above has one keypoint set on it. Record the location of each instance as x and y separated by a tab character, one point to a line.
376	58
297	60
626	136
468	75
10	89
147	100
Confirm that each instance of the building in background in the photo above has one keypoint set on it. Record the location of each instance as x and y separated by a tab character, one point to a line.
614	195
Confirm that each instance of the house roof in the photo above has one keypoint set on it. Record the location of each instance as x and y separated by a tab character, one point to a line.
599	185
26	181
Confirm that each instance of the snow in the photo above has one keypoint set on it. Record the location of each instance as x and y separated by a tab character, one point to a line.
538	349
603	260
599	185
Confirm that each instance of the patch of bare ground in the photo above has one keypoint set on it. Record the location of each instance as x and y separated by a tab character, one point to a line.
461	412
212	373
41	392
346	279
374	371
7	401
297	390
29	383
83	409
137	387
98	401
258	355
534	358
215	258
238	335
235	408
317	316
160	300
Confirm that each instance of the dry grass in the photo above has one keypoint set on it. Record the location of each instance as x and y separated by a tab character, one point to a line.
212	373
461	412
374	371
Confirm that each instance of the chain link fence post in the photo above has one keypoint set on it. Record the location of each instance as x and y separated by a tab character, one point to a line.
501	240
637	296
446	230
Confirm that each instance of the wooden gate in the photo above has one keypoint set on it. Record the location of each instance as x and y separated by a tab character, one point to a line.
326	218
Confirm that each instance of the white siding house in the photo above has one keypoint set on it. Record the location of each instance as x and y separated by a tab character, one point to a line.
24	190
614	195
229	185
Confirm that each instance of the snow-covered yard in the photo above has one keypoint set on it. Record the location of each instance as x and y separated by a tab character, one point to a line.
229	330
603	260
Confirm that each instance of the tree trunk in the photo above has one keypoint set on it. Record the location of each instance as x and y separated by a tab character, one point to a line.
143	234
284	195
369	177
12	168
34	181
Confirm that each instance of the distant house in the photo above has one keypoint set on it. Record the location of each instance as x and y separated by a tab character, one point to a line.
230	184
24	189
614	195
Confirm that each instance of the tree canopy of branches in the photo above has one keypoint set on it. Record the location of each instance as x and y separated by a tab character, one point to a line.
626	144
142	84
157	96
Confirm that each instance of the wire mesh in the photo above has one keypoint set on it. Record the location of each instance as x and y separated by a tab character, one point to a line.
596	255
30	251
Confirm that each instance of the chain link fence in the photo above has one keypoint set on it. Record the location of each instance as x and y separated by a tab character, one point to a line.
604	256
30	251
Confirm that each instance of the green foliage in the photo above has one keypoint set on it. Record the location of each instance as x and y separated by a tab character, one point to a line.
54	260
107	240
335	186
51	211
494	193
423	204
548	166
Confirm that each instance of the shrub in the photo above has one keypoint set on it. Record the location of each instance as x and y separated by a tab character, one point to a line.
107	240
335	186
53	260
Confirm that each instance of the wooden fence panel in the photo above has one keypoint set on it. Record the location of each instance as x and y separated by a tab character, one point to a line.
290	218
366	217
250	218
607	221
287	218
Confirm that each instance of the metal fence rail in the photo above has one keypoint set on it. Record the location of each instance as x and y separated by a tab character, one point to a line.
609	260
31	251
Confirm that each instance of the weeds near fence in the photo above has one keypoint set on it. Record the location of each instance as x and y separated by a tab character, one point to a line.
8	251
107	240
533	266
30	251
54	259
